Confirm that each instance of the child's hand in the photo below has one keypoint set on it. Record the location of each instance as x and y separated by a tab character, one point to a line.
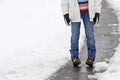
96	18
66	19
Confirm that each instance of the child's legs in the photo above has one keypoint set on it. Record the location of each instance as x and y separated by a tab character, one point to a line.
75	30
89	31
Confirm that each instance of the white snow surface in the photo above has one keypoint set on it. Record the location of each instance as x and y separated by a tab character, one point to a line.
113	70
34	40
100	67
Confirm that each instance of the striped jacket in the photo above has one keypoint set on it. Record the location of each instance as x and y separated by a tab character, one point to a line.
71	7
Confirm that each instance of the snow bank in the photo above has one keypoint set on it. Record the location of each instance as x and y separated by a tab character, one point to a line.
34	41
113	70
100	67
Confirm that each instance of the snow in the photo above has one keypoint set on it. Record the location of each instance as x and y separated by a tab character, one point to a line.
92	77
100	67
34	40
112	70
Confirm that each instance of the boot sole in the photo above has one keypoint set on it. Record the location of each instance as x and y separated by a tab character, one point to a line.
75	64
89	64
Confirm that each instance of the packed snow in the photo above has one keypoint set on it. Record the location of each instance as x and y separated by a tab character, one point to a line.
100	67
34	40
112	70
92	77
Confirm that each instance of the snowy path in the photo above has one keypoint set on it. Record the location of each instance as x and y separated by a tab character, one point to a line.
106	35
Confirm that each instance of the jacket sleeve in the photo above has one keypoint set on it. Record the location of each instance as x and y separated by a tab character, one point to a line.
65	6
98	6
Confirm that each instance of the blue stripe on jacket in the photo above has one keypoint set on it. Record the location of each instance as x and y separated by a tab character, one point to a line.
82	0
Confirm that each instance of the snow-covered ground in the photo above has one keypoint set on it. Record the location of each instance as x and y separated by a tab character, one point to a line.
34	41
110	71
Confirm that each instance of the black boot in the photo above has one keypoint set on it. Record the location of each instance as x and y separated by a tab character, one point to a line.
90	61
76	61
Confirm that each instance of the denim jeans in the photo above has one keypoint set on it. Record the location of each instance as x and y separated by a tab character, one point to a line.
89	32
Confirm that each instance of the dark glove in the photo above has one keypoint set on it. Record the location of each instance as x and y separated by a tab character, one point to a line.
96	18
66	19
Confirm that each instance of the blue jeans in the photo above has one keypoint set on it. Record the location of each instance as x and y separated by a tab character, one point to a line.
89	32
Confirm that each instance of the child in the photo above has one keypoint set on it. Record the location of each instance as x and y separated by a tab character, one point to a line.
89	11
